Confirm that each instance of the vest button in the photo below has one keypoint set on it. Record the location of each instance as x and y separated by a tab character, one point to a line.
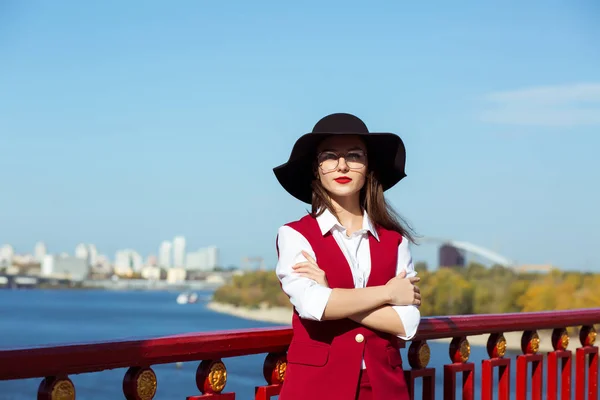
359	338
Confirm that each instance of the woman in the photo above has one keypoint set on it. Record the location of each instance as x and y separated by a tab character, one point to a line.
346	266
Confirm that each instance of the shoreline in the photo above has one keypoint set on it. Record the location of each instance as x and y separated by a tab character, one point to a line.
283	316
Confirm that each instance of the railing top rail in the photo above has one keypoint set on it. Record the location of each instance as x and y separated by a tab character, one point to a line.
91	357
469	325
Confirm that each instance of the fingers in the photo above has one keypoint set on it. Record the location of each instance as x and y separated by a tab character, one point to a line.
302	264
416	289
303	268
402	274
309	257
307	268
414	279
308	273
417	299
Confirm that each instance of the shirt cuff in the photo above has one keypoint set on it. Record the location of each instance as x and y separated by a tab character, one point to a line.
410	317
315	301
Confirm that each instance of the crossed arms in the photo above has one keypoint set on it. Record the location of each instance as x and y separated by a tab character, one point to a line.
391	308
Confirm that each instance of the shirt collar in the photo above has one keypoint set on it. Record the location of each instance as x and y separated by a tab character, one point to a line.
327	221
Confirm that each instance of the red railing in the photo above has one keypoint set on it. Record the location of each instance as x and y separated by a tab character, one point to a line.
55	364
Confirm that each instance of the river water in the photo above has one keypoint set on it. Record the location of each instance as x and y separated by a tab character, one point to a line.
40	317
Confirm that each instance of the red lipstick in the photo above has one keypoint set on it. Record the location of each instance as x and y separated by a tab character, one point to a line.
343	180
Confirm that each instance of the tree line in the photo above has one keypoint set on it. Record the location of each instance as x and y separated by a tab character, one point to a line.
473	289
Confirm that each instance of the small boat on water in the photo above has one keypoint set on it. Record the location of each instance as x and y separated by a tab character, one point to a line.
193	298
187	298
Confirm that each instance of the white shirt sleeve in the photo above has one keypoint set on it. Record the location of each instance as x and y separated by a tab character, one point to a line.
306	295
409	315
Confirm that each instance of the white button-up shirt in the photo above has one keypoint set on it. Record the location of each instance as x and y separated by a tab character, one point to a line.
310	298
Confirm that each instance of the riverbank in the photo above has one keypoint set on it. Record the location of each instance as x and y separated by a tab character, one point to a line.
283	316
276	315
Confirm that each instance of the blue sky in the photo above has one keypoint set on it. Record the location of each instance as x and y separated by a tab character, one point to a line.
124	124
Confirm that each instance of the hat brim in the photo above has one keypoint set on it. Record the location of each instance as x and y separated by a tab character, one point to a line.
386	153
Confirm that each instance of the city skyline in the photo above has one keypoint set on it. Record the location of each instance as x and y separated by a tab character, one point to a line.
89	251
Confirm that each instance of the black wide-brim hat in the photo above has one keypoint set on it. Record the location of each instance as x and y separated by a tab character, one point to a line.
385	151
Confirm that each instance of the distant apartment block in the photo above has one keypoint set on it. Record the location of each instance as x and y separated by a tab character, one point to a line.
206	259
179	251
73	268
164	254
40	251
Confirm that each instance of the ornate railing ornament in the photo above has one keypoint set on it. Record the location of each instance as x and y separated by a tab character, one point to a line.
56	388
419	354
274	369
496	345
139	383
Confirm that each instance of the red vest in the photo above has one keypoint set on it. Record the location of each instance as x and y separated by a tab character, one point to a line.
325	357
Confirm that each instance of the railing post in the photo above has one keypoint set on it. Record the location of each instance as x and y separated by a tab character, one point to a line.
587	337
496	348
459	354
530	345
418	358
274	369
560	342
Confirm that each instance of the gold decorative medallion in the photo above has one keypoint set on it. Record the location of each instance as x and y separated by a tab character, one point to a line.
424	354
459	349
418	354
564	340
591	336
501	346
530	342
274	368
587	335
63	390
465	350
534	342
146	385
560	339
280	369
496	345
217	377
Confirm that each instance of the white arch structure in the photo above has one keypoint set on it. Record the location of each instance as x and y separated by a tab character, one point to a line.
471	248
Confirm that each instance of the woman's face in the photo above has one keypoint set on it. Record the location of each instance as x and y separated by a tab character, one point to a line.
342	165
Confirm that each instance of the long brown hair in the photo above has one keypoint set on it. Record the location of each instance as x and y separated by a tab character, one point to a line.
372	200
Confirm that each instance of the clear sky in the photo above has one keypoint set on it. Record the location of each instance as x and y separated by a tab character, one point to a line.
126	123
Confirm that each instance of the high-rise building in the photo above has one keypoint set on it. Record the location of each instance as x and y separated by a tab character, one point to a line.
450	256
128	259
206	259
164	254
82	251
92	255
48	265
6	255
87	252
40	251
74	268
212	255
179	251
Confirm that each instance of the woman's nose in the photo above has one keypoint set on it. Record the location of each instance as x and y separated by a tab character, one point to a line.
342	166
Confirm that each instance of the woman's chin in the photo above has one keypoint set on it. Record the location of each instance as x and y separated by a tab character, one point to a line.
343	192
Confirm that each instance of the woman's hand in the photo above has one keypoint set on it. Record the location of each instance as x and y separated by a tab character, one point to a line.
402	291
309	269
